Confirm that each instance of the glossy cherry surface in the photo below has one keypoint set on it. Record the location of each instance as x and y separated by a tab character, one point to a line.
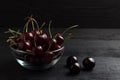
71	60
75	68
37	50
59	38
48	57
24	45
41	39
89	63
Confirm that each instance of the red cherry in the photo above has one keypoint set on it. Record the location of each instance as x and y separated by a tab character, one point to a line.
41	39
55	47
35	32
28	36
45	47
71	60
37	50
16	39
24	45
75	68
59	38
89	63
28	45
52	41
48	57
49	42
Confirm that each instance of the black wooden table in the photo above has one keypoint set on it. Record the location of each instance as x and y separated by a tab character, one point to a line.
102	44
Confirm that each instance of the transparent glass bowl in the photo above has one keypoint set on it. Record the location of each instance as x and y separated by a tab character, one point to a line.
25	59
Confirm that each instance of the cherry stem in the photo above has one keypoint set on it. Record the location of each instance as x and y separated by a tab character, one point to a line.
33	25
13	32
42	25
49	46
26	26
32	20
49	29
69	29
36	23
67	38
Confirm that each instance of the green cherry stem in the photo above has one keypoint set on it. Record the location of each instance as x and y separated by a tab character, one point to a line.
9	32
43	24
13	32
68	37
69	29
36	23
32	24
26	26
49	29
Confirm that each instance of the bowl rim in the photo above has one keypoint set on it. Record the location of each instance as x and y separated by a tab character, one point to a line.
21	51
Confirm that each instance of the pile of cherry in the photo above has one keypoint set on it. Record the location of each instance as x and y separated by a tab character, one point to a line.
75	67
37	42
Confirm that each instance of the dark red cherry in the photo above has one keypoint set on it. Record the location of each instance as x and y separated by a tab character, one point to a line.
35	32
37	50
28	45
48	57
15	39
29	36
45	47
59	38
71	60
75	68
89	63
41	39
55	47
21	38
52	41
24	45
48	43
21	46
26	36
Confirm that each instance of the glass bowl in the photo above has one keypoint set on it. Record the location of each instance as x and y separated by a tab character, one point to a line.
28	61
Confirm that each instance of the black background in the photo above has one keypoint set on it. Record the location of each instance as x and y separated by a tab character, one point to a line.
86	13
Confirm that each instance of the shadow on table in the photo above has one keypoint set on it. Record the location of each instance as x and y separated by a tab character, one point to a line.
12	70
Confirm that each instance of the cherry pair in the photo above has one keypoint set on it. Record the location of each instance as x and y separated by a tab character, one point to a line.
75	67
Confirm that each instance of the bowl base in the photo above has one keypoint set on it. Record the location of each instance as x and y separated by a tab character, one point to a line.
32	66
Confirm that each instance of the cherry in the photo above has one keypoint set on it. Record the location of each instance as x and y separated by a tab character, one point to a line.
52	41
41	39
28	36
28	45
89	63
24	45
15	39
55	47
75	68
71	60
59	38
45	47
48	57
37	50
35	32
48	43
